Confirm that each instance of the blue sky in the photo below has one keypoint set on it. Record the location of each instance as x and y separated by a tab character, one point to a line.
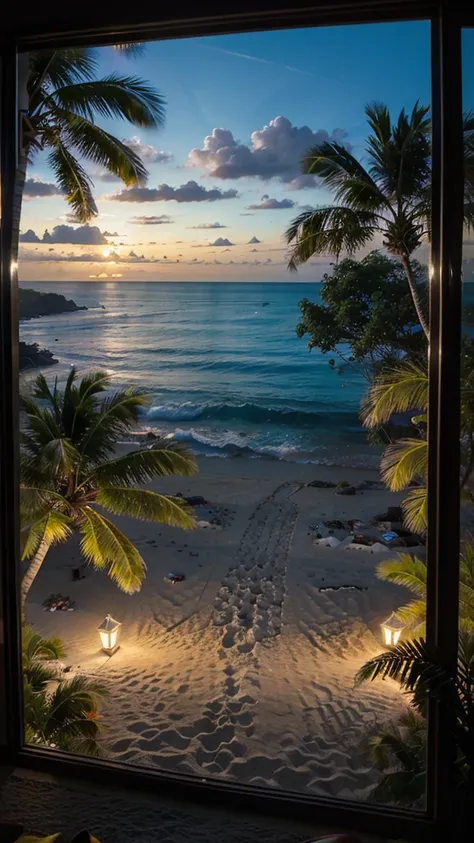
320	79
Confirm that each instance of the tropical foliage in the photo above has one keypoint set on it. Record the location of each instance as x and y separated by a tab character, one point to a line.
365	305
403	388
411	572
399	751
390	197
65	98
59	713
82	837
420	671
70	475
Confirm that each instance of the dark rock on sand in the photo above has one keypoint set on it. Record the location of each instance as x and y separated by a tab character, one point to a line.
321	484
345	490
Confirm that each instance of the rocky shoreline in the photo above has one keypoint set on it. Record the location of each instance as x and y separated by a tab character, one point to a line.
33	304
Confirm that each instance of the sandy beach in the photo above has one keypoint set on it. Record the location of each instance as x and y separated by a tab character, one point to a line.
245	669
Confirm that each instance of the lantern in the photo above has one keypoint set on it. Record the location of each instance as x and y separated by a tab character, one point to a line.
392	628
109	631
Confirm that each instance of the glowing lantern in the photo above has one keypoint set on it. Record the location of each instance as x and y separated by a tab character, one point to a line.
109	632
392	628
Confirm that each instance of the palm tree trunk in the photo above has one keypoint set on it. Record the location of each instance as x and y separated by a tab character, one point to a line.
30	574
405	261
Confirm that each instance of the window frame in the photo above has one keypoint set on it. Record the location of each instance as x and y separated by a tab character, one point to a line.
444	367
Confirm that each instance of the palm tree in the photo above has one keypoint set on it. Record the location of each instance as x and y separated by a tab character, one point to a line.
65	717
419	669
64	99
69	475
399	751
391	196
404	388
410	572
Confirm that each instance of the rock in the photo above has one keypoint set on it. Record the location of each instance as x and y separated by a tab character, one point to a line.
345	490
356	546
321	484
195	500
327	541
378	547
335	525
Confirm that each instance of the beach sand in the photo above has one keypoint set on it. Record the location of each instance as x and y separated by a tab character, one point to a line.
245	670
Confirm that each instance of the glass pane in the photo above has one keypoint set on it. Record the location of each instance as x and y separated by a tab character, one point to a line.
167	385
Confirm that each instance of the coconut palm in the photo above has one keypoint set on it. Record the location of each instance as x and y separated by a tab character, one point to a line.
70	474
410	572
64	99
399	750
404	388
419	669
389	197
64	716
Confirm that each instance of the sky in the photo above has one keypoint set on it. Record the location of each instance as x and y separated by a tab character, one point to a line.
224	178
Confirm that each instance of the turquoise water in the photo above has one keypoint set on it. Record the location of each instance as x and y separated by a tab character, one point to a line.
225	372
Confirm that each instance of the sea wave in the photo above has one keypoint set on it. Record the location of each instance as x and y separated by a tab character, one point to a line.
252	413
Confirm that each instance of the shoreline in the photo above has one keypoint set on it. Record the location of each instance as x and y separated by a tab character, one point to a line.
245	669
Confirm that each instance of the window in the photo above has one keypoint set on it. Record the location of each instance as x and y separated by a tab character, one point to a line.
241	670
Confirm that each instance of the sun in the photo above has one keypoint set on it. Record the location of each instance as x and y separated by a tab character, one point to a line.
107	251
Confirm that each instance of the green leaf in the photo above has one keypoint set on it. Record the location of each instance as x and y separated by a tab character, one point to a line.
399	390
415	510
162	460
100	147
329	230
342	172
146	506
403	462
406	570
74	181
105	546
124	97
53	527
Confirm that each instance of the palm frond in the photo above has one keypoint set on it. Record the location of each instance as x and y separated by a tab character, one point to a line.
53	527
163	460
34	646
342	172
403	462
58	456
406	570
411	663
56	68
117	414
146	506
105	546
402	389
124	97
413	616
329	230
100	147
415	510
74	181
70	712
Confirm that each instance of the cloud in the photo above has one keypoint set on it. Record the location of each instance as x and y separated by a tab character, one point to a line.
35	188
247	215
274	152
29	237
222	241
149	154
189	192
268	204
208	225
163	219
88	235
104	175
253	241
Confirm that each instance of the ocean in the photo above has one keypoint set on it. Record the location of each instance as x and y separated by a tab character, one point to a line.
221	363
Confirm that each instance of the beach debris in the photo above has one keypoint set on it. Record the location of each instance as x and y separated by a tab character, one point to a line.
327	541
393	513
335	524
321	484
343	588
208	525
345	490
390	535
58	603
378	547
357	546
174	578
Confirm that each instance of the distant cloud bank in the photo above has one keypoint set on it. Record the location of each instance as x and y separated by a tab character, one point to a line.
89	235
163	219
189	192
268	204
149	154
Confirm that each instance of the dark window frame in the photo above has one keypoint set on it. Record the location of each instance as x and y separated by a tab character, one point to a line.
445	309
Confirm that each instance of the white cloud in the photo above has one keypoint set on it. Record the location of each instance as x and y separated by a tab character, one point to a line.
149	154
274	152
35	187
268	204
